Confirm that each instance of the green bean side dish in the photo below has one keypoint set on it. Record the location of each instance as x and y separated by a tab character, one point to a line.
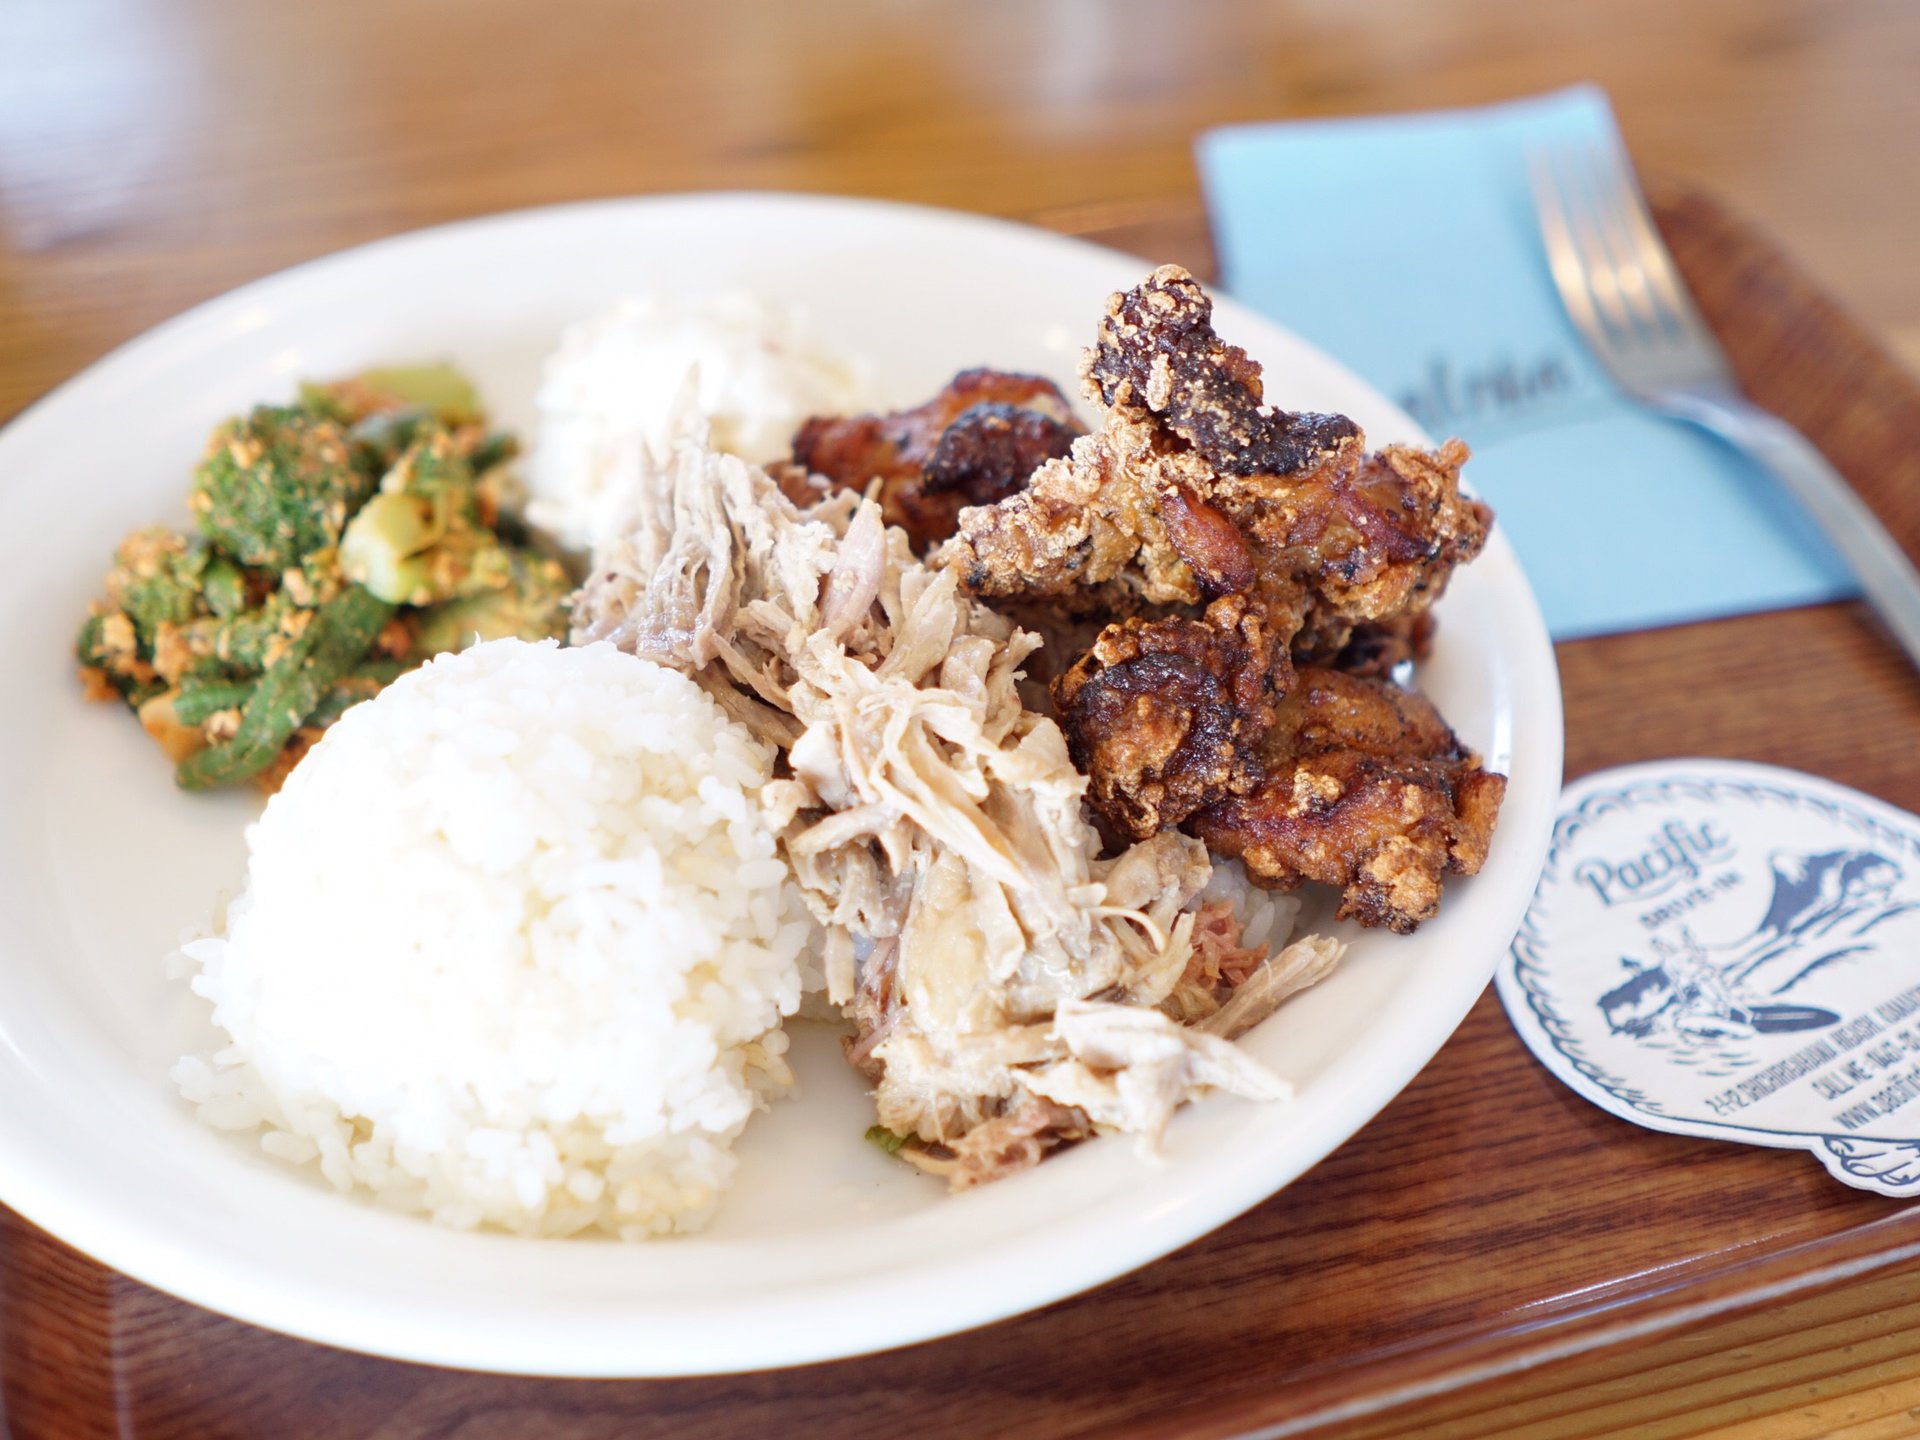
338	542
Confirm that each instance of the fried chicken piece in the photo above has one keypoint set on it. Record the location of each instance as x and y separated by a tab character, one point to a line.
1158	354
1366	788
1378	648
988	452
1374	538
1085	533
1366	538
974	443
1190	490
1165	716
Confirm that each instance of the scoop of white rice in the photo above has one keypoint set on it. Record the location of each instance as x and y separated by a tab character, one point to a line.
1267	918
514	948
612	392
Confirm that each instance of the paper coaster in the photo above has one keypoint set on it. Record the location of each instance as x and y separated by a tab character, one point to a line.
1733	951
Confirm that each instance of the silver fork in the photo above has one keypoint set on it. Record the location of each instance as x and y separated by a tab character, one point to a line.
1626	298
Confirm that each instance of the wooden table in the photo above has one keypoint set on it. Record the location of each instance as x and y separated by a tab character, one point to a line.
152	155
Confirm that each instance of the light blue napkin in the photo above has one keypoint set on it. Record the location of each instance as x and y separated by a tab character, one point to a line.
1407	247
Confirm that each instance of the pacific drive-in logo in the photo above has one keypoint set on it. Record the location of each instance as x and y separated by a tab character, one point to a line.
1729	950
1822	908
1677	854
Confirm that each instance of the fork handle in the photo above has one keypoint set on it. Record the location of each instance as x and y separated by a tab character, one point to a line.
1888	581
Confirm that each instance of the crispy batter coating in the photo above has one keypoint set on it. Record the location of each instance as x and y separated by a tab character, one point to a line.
1220	556
1086	520
1379	647
1191	490
989	450
1164	716
1158	353
1371	537
974	443
1192	497
1366	788
1363	537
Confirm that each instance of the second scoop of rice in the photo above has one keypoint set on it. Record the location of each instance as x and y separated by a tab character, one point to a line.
514	949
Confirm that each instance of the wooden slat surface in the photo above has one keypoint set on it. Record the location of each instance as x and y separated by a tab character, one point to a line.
1840	1363
152	155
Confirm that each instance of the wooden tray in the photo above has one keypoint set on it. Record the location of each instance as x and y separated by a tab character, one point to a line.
1486	1220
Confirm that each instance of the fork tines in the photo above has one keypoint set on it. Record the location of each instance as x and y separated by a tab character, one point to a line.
1613	272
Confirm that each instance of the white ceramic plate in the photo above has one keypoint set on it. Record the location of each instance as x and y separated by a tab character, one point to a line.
824	1247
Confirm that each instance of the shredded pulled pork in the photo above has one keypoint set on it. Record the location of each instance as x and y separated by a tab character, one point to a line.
1000	976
